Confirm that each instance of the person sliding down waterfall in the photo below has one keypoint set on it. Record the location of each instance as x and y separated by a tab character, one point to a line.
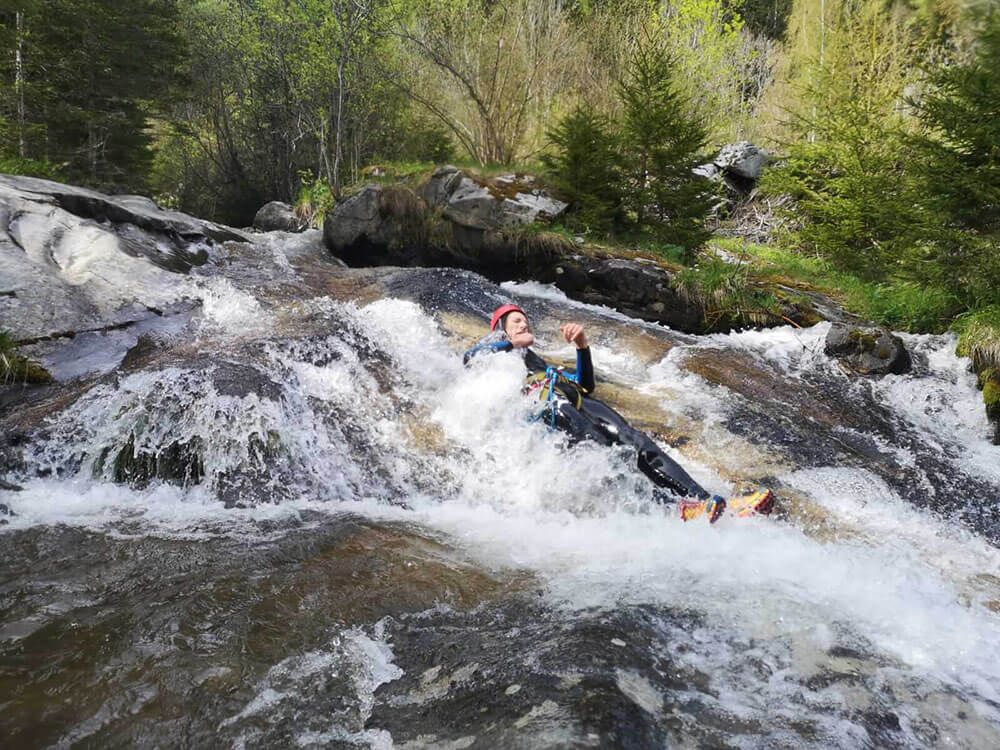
570	407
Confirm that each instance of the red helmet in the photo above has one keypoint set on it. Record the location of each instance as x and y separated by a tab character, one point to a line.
503	310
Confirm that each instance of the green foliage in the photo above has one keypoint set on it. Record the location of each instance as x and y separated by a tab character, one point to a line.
956	158
979	337
10	164
93	71
847	171
768	18
280	87
584	168
913	204
661	145
722	68
315	199
900	305
423	140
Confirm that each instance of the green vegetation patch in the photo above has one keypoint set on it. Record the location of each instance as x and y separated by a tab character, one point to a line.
979	338
991	397
900	305
17	369
728	293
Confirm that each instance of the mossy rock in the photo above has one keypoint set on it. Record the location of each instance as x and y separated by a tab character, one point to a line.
991	397
865	341
868	351
17	369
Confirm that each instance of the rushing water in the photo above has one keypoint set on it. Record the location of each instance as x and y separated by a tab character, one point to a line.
367	544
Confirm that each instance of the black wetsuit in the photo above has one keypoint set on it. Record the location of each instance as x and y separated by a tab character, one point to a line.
583	417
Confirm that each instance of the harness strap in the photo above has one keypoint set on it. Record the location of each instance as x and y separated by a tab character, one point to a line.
546	383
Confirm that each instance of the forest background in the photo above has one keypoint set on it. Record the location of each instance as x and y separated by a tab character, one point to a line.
884	116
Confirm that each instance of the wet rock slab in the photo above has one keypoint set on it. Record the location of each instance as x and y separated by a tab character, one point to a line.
75	260
162	637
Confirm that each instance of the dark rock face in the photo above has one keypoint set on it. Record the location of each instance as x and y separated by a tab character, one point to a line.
277	217
377	227
868	351
639	288
358	221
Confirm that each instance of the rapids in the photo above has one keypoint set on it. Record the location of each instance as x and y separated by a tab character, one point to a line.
284	514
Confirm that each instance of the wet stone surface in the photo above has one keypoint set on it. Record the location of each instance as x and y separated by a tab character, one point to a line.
152	641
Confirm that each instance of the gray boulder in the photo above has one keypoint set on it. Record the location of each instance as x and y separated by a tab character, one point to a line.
357	220
278	217
125	209
441	185
489	205
868	351
742	159
74	260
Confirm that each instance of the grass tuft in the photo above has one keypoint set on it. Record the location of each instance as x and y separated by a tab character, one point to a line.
728	293
17	369
979	338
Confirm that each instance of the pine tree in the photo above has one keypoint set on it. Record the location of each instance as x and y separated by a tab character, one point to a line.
583	167
957	161
961	147
855	199
661	145
93	72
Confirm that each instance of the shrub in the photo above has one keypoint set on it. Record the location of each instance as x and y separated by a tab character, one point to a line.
979	337
29	167
315	199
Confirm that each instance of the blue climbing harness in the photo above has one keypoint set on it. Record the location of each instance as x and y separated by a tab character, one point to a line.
552	375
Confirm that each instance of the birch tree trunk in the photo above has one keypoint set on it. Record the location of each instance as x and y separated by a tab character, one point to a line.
22	145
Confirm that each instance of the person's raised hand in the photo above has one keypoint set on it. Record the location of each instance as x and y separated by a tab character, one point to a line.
573	333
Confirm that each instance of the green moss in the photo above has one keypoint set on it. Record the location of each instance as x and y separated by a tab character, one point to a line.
866	342
17	369
991	397
979	337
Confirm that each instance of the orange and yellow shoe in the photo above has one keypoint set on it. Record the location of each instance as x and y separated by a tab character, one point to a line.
714	507
760	502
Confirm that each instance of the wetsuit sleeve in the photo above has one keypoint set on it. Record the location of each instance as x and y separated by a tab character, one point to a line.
486	348
585	370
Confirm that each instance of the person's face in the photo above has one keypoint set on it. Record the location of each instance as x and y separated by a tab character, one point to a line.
516	327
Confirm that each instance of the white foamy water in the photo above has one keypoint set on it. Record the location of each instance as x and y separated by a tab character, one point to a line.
903	580
907	586
353	662
226	308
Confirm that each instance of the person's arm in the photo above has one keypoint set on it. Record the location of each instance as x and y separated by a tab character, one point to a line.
489	347
574	334
585	370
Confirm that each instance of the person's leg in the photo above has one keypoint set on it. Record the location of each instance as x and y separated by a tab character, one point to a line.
575	424
652	461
